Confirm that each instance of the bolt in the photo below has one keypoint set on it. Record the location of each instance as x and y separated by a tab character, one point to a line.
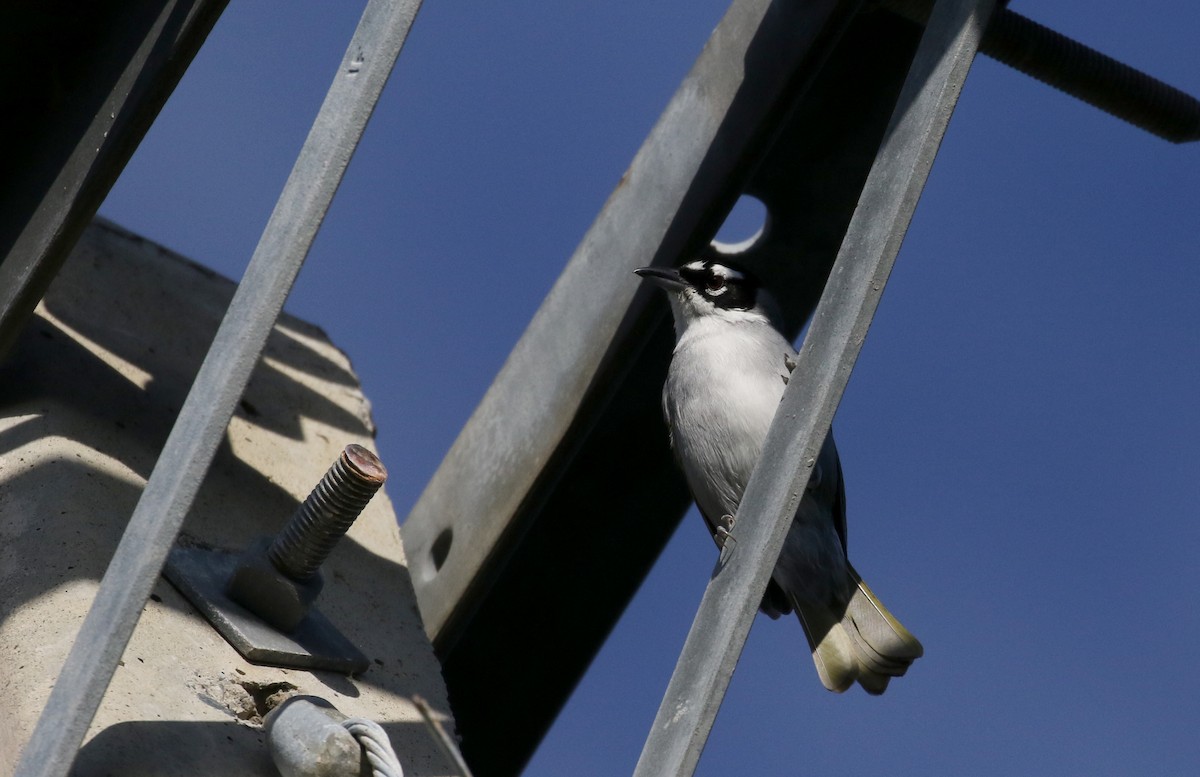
278	580
327	513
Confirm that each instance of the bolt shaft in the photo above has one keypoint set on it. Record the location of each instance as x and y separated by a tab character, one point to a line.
327	513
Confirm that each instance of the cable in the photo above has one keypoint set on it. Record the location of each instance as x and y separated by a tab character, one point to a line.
378	747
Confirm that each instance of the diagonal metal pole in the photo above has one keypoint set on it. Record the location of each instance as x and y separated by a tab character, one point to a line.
835	337
222	378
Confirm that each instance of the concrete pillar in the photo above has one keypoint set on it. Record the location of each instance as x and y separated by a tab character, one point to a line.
87	397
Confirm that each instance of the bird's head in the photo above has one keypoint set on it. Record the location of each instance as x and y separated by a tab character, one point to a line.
709	290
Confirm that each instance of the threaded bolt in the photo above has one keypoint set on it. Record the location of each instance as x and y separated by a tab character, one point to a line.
316	526
1097	79
1080	71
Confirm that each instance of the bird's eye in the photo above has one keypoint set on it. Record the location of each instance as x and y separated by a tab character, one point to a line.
714	283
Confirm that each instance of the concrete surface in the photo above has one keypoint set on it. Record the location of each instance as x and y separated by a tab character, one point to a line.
87	397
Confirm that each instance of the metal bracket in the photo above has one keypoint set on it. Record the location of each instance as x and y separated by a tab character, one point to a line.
200	574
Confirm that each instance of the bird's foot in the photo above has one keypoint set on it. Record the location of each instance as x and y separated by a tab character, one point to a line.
724	533
789	362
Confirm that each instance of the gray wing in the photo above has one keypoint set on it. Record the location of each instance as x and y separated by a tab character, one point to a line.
831	488
774	602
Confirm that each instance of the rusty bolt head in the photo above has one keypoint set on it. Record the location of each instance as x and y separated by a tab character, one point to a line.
258	586
365	463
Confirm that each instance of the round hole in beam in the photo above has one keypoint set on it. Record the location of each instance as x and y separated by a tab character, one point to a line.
441	548
744	226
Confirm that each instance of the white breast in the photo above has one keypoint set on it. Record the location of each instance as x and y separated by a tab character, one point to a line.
722	390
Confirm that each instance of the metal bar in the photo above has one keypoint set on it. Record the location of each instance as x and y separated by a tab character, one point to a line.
576	407
118	62
1082	72
219	384
1096	78
692	150
839	326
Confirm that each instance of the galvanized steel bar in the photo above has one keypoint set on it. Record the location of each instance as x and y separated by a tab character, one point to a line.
471	501
1082	72
1099	80
576	405
219	384
839	326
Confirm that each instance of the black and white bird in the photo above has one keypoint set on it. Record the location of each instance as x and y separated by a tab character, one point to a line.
727	375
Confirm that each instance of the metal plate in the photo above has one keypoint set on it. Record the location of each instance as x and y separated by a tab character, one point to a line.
200	574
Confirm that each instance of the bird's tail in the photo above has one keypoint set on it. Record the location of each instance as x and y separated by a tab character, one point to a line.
865	643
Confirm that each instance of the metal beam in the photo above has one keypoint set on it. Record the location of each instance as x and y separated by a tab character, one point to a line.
520	509
697	146
1082	72
839	326
201	425
807	156
82	83
516	512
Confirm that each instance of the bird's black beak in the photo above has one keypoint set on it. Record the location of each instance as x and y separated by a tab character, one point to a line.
667	278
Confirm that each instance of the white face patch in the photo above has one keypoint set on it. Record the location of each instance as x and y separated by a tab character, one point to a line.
714	271
728	273
715	292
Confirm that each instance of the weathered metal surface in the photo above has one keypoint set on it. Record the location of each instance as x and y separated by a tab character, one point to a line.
835	337
201	575
257	584
222	378
278	578
307	738
325	515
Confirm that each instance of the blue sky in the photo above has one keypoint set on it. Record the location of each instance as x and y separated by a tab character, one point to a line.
1020	437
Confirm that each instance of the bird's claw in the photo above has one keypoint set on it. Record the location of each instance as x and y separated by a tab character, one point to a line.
724	533
789	362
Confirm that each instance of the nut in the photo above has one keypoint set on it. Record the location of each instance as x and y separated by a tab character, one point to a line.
260	587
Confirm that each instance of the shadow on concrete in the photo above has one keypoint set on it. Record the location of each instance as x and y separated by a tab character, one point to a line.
88	395
152	748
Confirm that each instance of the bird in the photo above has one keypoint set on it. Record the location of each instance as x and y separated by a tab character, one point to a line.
728	372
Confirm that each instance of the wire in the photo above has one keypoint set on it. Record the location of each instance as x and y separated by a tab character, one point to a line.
376	745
